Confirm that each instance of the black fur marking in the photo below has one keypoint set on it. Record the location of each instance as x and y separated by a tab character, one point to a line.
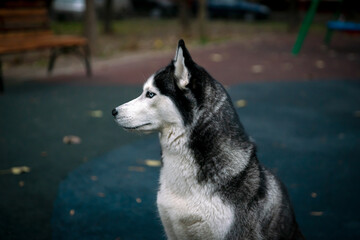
213	130
166	83
262	188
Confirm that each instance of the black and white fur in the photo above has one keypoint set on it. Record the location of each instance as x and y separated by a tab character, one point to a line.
212	185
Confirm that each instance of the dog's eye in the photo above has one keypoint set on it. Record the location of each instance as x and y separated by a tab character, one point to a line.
150	94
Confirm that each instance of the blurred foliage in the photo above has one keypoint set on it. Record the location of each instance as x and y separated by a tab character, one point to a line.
154	34
144	34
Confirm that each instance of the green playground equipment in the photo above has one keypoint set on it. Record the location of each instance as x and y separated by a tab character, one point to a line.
305	26
332	26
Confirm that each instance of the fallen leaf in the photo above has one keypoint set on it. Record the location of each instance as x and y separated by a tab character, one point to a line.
70	139
136	169
138	200
320	64
313	194
257	68
100	194
20	170
153	163
316	214
158	43
94	178
21	183
241	103
96	113
15	170
72	212
44	154
216	57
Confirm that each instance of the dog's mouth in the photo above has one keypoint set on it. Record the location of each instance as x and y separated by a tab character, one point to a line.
136	127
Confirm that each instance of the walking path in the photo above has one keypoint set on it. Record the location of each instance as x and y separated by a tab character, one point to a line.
264	58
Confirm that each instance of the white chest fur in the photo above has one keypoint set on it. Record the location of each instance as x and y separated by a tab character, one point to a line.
187	209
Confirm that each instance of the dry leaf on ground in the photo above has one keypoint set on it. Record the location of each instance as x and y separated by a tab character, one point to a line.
153	163
241	103
70	139
317	214
96	113
216	57
257	68
16	170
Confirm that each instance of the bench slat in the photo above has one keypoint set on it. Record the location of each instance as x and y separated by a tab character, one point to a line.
16	46
22	12
21	35
23	19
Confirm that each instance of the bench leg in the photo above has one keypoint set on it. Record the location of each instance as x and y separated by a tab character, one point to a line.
1	79
85	54
87	60
53	56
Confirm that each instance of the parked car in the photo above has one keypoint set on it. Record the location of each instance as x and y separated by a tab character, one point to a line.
155	8
237	9
75	9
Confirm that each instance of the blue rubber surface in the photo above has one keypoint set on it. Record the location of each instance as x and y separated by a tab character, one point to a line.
111	197
308	133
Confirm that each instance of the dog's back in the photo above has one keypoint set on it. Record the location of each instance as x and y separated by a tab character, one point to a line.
263	209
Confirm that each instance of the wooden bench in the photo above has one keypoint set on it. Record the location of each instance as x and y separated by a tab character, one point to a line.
25	26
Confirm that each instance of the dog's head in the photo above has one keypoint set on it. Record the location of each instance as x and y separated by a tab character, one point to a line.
156	108
170	97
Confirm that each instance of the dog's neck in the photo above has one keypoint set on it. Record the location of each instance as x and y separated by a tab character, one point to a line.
177	155
179	168
173	139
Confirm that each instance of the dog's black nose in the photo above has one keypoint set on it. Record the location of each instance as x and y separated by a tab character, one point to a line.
114	112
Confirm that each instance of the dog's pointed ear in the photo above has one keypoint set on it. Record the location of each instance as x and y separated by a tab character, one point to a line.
182	58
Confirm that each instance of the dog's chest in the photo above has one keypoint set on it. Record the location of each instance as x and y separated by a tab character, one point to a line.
190	208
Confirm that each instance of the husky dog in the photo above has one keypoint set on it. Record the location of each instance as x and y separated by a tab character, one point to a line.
212	185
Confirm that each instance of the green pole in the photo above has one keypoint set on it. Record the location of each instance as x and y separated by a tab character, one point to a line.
305	26
328	36
330	32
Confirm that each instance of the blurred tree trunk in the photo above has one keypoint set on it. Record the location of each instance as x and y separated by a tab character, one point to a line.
184	17
90	28
202	14
294	18
108	17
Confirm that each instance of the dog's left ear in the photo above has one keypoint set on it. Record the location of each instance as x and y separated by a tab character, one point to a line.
181	60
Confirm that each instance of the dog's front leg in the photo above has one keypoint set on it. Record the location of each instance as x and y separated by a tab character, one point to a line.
193	227
167	223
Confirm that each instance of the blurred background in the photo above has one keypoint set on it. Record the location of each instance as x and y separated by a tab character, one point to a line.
117	28
67	171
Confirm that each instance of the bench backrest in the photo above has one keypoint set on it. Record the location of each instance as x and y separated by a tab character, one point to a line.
20	17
